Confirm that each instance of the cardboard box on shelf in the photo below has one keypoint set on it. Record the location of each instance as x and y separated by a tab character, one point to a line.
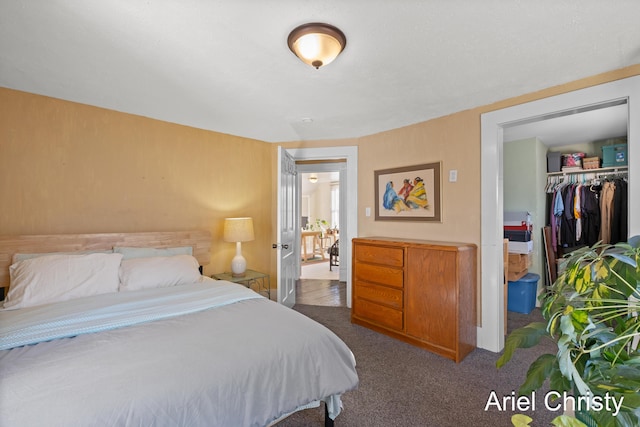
520	262
591	163
516	275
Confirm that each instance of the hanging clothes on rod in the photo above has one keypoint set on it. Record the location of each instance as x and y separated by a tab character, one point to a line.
614	201
587	207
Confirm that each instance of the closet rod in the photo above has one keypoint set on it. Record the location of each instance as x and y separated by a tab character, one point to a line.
615	169
621	172
583	177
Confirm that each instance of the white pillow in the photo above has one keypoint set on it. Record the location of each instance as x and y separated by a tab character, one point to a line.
158	272
53	278
132	252
21	257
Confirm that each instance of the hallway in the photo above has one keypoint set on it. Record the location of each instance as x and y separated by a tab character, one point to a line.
319	286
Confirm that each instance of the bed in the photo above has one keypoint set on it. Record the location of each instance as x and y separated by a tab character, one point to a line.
123	329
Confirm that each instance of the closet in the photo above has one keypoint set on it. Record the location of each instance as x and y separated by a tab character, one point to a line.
587	130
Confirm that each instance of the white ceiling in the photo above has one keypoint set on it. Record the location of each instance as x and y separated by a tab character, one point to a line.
574	127
308	187
225	66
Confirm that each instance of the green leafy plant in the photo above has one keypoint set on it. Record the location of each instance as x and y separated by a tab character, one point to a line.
591	313
319	225
520	420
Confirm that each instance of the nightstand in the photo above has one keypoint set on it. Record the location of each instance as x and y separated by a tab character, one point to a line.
259	282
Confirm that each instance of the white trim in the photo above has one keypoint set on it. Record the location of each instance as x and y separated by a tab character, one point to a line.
490	334
341	168
350	186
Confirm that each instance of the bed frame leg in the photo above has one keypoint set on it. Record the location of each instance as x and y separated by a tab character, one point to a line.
328	422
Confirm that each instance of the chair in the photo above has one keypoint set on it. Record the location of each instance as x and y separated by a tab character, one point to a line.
334	254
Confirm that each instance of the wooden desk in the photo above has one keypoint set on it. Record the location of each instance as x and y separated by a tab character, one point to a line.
316	244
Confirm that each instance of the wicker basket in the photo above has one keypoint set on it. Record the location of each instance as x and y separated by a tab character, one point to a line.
591	163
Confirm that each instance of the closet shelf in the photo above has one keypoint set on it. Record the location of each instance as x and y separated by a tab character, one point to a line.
583	171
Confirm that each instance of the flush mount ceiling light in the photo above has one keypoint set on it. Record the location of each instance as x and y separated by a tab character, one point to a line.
313	179
316	44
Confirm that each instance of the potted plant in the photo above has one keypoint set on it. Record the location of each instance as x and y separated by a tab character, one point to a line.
591	313
320	225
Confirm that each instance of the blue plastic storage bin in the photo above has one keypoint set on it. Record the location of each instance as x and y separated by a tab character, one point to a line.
522	294
614	155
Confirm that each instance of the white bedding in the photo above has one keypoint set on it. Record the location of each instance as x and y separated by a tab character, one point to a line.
244	362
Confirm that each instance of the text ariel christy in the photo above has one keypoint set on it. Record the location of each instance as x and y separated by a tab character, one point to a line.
554	401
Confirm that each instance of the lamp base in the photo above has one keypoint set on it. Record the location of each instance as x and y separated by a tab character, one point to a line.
238	263
238	274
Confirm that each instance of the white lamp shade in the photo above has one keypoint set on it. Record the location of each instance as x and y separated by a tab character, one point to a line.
238	230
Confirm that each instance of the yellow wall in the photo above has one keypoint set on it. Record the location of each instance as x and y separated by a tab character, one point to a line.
72	168
446	140
455	141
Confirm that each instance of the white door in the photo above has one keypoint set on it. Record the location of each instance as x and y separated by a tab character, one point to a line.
348	199
287	224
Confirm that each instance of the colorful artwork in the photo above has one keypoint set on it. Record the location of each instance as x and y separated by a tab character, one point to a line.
410	193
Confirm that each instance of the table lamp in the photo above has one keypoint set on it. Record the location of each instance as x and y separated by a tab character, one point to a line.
238	230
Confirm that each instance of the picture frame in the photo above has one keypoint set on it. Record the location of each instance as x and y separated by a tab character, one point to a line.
410	193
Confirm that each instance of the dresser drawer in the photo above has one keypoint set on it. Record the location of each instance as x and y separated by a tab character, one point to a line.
379	294
378	314
379	274
390	256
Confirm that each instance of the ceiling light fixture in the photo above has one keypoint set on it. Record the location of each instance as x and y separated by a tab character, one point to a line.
316	44
313	179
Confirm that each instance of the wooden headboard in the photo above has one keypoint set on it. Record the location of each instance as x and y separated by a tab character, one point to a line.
200	240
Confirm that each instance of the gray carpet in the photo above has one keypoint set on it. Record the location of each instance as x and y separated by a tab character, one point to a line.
401	385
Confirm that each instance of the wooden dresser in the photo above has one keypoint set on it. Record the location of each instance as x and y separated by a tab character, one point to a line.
418	291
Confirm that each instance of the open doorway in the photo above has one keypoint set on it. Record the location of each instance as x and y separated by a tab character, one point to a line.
347	156
491	331
581	137
320	216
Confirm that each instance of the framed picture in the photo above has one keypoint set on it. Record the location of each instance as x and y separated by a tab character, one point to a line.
409	193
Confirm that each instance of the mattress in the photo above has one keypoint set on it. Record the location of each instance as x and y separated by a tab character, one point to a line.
203	354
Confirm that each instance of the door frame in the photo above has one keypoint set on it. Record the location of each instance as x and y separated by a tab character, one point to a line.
341	169
491	331
348	185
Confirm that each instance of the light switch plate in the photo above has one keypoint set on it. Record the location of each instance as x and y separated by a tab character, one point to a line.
453	175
